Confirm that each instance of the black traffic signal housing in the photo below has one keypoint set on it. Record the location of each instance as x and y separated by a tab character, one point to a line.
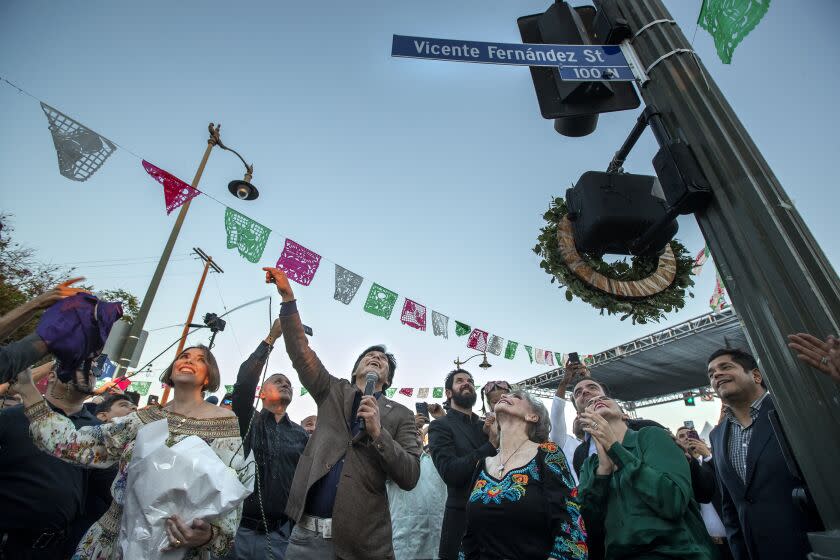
688	399
610	26
683	183
610	211
575	106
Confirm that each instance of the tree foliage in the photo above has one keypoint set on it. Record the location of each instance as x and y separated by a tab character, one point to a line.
23	276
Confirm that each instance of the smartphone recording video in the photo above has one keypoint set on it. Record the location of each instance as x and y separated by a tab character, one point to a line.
422	408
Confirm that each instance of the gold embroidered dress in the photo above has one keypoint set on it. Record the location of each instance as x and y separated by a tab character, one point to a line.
104	445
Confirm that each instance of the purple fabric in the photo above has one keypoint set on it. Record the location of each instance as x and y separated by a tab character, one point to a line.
75	330
298	262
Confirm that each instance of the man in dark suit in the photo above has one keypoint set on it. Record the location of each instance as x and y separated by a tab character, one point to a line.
705	487
457	442
761	520
338	498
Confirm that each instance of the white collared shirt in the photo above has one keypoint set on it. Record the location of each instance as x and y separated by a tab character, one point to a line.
710	516
560	436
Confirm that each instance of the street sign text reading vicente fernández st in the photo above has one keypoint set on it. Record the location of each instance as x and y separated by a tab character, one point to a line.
576	62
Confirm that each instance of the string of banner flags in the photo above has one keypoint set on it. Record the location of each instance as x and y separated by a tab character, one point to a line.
81	152
142	388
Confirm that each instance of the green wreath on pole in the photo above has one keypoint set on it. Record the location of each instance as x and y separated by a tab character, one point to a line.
645	289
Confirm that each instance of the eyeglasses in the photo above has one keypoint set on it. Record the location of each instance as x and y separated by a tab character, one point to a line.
493	385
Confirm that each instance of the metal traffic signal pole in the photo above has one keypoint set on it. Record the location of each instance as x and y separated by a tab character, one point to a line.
778	278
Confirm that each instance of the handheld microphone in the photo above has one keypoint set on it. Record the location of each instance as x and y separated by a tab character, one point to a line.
370	384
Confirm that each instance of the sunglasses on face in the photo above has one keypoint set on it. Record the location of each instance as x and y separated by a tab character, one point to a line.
493	385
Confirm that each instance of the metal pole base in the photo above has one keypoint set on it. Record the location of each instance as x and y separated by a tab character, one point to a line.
826	545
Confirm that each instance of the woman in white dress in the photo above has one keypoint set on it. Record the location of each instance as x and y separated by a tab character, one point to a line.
194	371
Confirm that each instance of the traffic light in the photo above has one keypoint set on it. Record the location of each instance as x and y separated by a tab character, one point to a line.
575	106
610	26
610	211
689	399
685	187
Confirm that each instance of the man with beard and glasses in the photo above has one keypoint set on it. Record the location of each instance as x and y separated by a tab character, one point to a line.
457	443
48	504
277	443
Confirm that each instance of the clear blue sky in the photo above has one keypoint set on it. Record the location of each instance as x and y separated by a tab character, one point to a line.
427	177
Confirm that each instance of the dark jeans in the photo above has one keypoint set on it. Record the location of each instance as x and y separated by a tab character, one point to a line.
252	545
309	545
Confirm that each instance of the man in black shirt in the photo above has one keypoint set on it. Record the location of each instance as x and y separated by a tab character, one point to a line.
277	443
47	504
457	442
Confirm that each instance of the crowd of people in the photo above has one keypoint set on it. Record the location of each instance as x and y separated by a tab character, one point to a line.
367	478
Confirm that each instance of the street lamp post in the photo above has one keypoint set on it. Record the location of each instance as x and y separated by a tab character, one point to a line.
483	365
243	190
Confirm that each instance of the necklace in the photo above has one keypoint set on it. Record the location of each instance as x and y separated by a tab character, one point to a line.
502	466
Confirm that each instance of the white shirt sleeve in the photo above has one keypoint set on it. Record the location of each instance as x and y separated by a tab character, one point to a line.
558	421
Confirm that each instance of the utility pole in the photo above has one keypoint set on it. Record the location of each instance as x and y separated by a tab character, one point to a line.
242	190
778	277
137	326
208	264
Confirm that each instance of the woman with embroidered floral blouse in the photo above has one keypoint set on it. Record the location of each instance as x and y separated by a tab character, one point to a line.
193	372
523	502
636	490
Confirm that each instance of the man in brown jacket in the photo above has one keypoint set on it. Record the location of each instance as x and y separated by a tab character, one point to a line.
338	498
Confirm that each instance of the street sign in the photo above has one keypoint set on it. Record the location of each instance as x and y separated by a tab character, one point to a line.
577	63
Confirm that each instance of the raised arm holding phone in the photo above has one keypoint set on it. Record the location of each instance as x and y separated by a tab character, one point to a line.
338	499
277	442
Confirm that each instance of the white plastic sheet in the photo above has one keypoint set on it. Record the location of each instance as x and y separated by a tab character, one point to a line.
187	479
